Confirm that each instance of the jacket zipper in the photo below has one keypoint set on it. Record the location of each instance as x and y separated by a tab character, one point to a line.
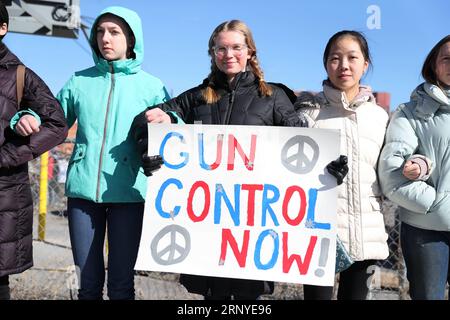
97	197
233	86
361	233
230	108
350	204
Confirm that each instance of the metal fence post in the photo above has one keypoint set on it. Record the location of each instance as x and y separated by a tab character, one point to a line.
43	185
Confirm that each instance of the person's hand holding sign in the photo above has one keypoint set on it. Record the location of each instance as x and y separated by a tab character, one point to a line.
338	168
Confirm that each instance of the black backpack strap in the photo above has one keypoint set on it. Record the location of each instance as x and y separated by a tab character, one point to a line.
20	83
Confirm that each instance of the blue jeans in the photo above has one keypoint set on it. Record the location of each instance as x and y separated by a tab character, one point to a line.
87	226
426	254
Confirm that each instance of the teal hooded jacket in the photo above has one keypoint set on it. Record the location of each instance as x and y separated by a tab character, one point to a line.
105	166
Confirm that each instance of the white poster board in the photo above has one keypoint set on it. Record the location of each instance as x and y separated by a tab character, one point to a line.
242	202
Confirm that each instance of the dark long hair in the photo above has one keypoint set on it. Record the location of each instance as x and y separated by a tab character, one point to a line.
357	36
131	38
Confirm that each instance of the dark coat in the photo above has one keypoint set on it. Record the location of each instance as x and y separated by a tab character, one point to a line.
16	206
240	104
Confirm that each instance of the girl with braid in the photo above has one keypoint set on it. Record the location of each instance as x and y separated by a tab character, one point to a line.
234	93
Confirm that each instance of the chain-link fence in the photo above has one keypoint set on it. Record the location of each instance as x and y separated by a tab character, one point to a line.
392	273
388	280
58	160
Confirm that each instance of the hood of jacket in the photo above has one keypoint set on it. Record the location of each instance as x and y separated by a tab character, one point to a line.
335	97
429	98
127	66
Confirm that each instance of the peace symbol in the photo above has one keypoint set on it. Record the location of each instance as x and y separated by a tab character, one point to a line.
167	255
299	162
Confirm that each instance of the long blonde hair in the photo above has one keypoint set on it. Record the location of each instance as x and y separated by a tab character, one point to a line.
209	94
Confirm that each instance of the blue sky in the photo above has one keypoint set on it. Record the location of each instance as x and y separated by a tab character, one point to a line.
290	36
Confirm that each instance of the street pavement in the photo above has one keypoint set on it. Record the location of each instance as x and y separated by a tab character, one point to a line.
53	275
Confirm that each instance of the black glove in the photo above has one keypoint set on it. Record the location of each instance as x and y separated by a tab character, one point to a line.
338	168
142	144
151	164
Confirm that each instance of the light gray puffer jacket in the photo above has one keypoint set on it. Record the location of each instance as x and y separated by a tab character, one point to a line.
421	126
362	124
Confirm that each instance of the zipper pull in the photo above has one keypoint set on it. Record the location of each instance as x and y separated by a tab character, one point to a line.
232	97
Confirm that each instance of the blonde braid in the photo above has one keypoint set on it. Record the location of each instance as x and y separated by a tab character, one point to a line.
209	94
264	88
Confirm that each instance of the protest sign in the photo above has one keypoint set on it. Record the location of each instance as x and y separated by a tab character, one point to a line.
242	202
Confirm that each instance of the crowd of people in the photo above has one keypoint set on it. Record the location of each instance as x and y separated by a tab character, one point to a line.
404	159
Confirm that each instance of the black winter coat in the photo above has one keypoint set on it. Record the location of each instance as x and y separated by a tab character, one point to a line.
16	207
240	104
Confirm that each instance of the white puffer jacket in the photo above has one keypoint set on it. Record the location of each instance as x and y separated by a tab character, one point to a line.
362	124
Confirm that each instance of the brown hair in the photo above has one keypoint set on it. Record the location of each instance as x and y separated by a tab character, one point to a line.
131	39
4	17
429	65
209	94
